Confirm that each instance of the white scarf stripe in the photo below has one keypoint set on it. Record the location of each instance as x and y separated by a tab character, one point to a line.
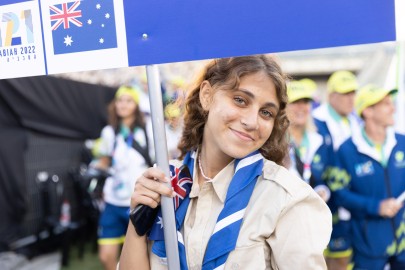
180	238
248	161
229	220
220	267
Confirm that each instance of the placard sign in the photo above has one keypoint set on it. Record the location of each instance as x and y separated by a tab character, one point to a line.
52	36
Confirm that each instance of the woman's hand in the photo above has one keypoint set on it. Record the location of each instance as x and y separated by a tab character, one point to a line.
149	187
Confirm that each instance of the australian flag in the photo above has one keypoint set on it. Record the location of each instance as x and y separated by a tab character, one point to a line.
181	181
85	25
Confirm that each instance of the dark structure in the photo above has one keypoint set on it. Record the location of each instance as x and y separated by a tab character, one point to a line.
44	122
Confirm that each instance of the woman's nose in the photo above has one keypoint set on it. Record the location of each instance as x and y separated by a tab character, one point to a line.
249	121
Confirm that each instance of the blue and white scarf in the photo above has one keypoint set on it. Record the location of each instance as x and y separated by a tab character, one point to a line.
226	231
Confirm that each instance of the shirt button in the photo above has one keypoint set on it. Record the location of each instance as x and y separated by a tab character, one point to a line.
235	266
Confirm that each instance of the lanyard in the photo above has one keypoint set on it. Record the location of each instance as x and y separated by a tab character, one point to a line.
128	140
306	173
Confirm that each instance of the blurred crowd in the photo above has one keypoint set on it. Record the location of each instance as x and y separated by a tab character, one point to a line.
347	150
342	144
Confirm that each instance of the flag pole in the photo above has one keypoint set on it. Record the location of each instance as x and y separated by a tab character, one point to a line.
161	154
400	85
400	78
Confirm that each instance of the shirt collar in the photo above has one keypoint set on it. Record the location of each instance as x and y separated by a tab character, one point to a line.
365	148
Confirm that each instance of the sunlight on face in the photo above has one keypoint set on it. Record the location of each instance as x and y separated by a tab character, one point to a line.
240	121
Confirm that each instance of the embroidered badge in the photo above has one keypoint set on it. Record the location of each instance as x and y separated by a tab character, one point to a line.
363	169
399	159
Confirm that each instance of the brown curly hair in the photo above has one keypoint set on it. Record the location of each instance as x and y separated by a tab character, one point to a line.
228	72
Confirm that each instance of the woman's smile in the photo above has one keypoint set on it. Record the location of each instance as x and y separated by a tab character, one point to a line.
241	135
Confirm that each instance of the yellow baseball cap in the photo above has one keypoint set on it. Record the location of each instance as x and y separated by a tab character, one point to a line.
172	110
311	84
342	82
370	95
297	90
128	90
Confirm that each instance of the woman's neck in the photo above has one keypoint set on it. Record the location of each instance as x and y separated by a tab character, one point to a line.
297	133
128	121
212	162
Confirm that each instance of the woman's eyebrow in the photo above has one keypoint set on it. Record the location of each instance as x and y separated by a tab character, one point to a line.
251	95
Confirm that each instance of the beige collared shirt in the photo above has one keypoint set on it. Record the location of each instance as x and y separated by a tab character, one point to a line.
286	224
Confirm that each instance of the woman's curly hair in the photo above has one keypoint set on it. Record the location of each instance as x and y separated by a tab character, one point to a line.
228	72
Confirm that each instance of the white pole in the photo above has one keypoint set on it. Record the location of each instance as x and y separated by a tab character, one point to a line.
159	138
400	83
400	80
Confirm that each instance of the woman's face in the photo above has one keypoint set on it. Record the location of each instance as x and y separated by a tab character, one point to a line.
239	121
298	112
125	106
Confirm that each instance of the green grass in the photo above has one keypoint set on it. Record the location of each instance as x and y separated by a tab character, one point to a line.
89	261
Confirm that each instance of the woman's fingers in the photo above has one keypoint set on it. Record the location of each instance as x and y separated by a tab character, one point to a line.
155	186
145	200
149	187
151	194
155	173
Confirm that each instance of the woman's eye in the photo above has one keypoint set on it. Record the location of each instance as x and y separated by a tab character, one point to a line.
267	114
239	100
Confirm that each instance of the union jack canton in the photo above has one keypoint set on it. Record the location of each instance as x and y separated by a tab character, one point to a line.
65	13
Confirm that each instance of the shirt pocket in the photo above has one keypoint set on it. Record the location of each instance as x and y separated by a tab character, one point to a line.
250	257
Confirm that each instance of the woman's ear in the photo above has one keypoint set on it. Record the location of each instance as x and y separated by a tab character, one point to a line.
206	93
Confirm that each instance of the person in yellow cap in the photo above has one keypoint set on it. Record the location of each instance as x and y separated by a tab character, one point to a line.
307	150
124	151
175	90
335	121
370	180
311	84
174	129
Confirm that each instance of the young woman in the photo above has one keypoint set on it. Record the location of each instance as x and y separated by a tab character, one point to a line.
308	152
124	151
244	210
